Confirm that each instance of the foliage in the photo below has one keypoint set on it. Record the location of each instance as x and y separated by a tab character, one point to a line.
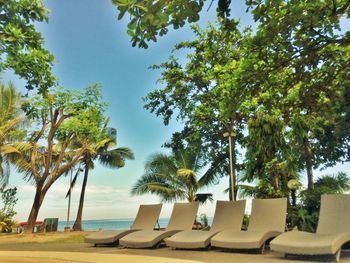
176	176
285	83
299	56
204	93
305	214
149	19
45	155
260	189
10	122
99	145
203	220
269	158
9	200
22	47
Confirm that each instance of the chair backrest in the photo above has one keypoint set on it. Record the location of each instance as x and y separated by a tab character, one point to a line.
334	214
228	215
147	217
268	215
183	216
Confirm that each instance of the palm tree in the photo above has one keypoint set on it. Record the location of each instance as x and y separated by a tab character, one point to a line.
102	149
10	118
177	176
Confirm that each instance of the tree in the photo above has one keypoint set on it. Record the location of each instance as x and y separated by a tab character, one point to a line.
22	47
177	176
269	160
299	56
148	19
10	119
42	164
101	147
205	93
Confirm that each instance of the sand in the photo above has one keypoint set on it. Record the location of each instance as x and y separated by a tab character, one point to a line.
63	257
67	247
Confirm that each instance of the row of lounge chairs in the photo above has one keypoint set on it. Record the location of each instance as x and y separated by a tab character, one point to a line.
267	222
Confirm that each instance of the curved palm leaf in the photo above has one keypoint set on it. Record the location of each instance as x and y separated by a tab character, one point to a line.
159	185
10	120
115	158
204	197
174	177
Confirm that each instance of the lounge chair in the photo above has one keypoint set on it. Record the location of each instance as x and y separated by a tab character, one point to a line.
182	218
228	216
146	219
267	220
332	232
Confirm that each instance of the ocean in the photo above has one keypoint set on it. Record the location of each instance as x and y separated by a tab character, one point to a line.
105	224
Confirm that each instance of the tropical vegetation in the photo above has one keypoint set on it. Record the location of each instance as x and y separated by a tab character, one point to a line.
280	90
8	200
11	119
180	175
98	147
22	46
59	118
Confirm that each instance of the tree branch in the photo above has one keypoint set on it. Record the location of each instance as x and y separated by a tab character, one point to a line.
342	9
60	157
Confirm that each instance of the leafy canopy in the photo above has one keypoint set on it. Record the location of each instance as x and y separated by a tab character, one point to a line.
22	47
150	19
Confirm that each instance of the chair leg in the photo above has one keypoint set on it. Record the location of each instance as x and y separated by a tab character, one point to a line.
262	248
337	256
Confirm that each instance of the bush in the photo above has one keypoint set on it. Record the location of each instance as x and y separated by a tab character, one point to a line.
9	200
305	214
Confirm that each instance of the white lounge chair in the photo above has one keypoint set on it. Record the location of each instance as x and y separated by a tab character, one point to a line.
145	219
182	218
333	231
267	220
228	216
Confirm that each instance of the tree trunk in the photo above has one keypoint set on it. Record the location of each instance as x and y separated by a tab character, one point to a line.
229	183
77	224
38	199
235	189
232	168
308	160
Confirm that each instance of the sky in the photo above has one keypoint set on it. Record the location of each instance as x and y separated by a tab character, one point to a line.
91	46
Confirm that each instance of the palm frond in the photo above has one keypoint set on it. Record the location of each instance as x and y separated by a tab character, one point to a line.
204	197
161	163
115	158
174	176
155	184
213	173
73	182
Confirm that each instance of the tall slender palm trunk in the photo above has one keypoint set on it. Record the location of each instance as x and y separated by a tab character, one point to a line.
77	224
308	160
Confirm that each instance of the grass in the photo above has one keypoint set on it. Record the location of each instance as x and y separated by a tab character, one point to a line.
75	239
45	238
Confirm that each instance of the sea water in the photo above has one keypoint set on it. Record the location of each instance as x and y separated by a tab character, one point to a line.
106	224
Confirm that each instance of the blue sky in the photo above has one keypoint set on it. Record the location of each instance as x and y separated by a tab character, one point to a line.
91	46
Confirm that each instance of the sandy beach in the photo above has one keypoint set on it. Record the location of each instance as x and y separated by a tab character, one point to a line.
69	247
